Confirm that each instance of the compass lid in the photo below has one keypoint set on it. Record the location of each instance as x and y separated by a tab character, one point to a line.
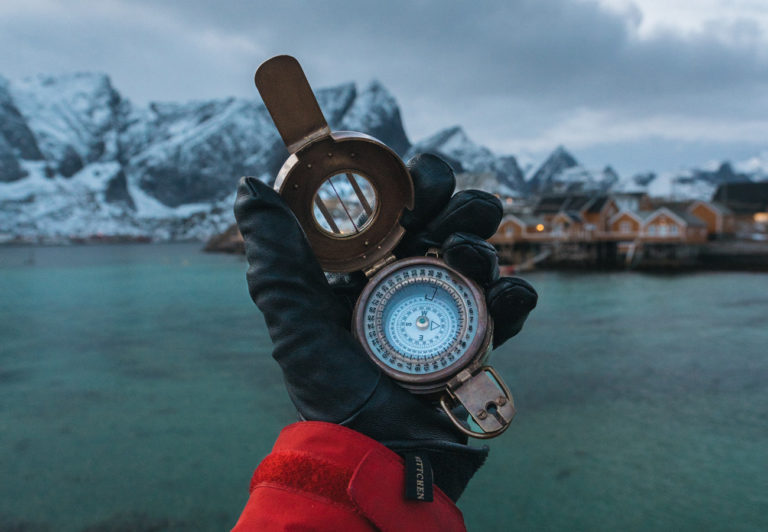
347	189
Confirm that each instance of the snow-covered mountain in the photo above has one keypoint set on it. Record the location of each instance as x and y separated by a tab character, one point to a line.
561	172
693	183
453	145
755	167
77	159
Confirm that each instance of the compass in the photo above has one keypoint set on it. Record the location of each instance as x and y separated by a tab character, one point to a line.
423	323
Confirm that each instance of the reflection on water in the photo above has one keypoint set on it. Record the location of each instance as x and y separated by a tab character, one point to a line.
137	393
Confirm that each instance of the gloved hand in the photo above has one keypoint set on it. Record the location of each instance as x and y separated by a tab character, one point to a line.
328	375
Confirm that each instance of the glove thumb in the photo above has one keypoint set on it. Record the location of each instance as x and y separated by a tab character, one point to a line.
325	371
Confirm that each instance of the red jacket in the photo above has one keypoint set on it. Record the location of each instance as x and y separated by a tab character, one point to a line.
322	476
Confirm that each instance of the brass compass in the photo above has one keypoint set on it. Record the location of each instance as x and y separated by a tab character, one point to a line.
423	323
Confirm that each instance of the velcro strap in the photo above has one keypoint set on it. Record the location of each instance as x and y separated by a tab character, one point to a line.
304	472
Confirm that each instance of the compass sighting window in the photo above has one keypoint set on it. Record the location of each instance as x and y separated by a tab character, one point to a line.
345	204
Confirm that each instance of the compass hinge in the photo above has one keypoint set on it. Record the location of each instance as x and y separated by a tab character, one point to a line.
379	265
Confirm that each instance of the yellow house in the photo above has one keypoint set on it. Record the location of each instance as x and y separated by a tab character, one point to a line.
625	225
665	225
718	217
520	228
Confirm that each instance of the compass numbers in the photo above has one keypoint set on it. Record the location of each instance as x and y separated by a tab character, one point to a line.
418	327
420	320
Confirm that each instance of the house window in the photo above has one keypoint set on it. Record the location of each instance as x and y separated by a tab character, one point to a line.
673	230
663	230
652	229
509	231
625	227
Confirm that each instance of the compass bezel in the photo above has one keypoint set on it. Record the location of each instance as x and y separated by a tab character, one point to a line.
305	171
435	381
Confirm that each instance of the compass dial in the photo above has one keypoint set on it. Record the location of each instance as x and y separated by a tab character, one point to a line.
420	319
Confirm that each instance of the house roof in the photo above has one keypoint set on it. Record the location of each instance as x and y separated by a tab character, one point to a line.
743	198
644	215
637	194
632	214
574	216
527	219
722	206
691	219
598	203
552	204
670	204
719	207
681	214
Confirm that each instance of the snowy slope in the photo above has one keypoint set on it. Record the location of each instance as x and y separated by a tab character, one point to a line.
465	156
561	172
78	160
756	167
75	118
694	183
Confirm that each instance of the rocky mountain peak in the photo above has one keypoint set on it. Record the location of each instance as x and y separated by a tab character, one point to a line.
336	101
556	164
74	117
453	145
610	177
16	139
464	155
77	159
375	111
725	174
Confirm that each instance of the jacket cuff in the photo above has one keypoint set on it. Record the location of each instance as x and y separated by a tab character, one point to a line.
327	462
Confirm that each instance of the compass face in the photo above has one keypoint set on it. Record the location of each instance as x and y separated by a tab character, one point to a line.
421	318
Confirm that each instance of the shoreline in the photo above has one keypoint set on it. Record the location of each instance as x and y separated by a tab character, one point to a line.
718	257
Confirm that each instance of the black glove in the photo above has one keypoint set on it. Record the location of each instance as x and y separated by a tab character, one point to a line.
328	375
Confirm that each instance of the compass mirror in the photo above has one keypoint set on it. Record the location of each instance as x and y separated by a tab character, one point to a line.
345	204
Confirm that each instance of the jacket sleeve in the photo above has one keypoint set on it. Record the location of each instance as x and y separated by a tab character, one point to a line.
321	476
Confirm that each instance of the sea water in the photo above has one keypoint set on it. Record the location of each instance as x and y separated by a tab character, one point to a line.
137	393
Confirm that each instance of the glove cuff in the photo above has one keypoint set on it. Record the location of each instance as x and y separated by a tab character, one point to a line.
453	464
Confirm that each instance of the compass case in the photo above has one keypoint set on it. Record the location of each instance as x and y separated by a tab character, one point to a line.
350	153
431	382
317	155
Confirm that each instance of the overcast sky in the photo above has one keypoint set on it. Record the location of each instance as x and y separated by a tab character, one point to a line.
634	83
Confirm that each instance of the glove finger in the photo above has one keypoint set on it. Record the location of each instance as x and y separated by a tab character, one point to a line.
510	300
347	288
433	186
468	211
326	373
472	256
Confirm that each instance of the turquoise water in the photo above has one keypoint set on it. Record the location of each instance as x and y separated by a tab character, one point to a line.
137	393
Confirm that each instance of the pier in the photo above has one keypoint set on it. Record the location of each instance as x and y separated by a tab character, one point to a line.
619	231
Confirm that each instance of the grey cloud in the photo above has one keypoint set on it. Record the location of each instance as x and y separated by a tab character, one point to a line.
503	69
556	51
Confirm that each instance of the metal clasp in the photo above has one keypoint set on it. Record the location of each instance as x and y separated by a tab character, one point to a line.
485	396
